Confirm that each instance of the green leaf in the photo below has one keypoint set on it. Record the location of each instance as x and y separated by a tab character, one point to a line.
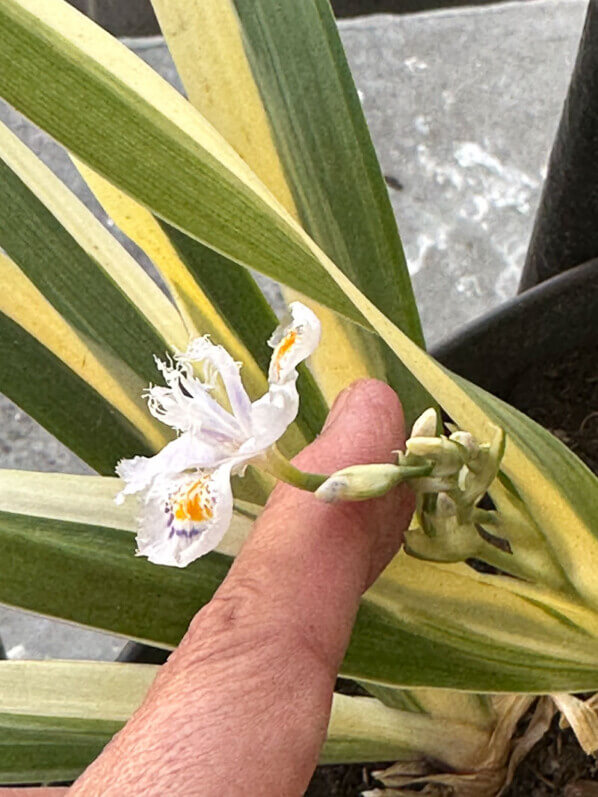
299	66
63	403
48	562
46	750
106	692
66	264
566	480
55	717
200	315
362	729
137	131
274	81
62	536
428	625
91	500
98	317
460	629
329	161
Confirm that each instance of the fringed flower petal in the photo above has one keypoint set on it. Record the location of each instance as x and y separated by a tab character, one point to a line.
185	488
190	403
185	517
177	456
218	364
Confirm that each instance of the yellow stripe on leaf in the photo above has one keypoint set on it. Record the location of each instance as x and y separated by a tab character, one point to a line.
200	315
206	44
21	301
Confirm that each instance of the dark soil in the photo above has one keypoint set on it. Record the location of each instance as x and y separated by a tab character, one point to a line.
556	766
341	780
563	397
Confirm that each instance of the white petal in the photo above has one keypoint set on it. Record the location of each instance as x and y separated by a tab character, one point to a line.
187	451
217	357
293	341
271	416
186	402
185	517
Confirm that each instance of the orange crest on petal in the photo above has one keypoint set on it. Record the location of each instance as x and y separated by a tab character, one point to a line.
195	502
285	345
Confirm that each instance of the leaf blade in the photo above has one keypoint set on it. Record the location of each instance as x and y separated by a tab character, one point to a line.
316	118
81	270
219	82
56	716
49	390
143	136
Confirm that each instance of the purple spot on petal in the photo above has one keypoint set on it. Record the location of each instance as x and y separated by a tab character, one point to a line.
187	534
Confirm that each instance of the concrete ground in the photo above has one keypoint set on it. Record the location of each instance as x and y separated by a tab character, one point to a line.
462	106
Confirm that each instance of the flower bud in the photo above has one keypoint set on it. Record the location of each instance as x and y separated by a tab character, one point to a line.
468	442
360	482
426	424
448	457
483	470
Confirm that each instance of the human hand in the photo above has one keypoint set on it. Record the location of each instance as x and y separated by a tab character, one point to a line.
242	705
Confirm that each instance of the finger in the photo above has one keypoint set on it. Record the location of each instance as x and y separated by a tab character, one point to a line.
242	706
306	559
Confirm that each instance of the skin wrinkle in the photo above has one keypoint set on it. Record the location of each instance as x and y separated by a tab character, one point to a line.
242	705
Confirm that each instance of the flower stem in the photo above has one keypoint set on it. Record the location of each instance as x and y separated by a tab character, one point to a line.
279	466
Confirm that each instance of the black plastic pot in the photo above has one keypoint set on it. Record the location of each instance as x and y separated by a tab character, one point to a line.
543	323
142	654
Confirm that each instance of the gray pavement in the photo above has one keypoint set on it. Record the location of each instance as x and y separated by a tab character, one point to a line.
463	106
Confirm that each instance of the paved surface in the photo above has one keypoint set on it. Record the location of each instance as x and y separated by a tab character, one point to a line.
463	106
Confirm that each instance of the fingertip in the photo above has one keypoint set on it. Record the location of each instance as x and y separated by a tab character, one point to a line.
365	424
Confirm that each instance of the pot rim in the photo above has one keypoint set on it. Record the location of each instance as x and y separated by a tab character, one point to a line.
549	319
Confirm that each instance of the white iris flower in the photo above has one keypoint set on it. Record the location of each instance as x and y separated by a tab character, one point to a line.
187	501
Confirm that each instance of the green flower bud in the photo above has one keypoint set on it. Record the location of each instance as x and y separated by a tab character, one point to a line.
483	470
433	484
468	442
362	482
447	456
426	425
